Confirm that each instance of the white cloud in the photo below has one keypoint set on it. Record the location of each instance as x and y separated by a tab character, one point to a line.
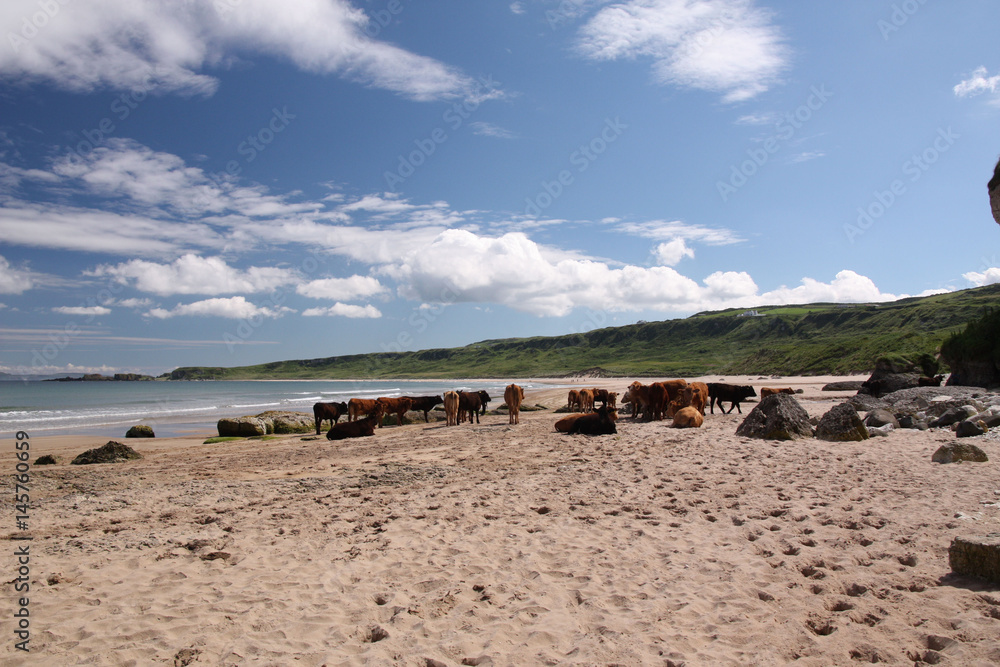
344	310
517	7
342	289
978	82
725	46
663	230
484	129
672	252
847	287
990	276
235	308
13	281
192	274
82	311
164	46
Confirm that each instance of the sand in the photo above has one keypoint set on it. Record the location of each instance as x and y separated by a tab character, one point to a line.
494	544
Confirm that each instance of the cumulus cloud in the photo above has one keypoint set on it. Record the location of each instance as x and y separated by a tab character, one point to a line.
990	276
192	274
234	308
725	46
672	252
344	310
345	289
13	281
846	287
978	82
165	46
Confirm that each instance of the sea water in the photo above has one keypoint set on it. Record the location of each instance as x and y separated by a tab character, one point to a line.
176	408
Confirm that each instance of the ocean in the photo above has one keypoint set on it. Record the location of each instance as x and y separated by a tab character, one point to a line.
180	408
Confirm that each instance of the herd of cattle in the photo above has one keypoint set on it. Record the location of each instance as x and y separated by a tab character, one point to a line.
683	402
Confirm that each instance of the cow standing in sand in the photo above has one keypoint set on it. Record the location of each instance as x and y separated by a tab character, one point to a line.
513	395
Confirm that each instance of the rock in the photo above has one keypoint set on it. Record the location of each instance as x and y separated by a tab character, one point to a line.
951	416
140	431
969	429
242	427
842	424
988	418
881	417
959	451
880	431
113	452
846	385
46	460
283	422
867	402
976	556
777	417
910	421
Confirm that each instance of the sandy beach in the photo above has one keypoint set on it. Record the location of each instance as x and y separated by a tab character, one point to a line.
494	544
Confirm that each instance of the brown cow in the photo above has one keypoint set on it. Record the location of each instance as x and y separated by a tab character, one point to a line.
674	388
513	395
587	400
356	429
657	400
331	411
601	422
699	398
469	404
395	406
359	407
564	424
451	408
573	400
768	391
639	394
688	417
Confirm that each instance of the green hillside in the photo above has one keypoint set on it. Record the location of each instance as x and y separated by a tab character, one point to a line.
801	340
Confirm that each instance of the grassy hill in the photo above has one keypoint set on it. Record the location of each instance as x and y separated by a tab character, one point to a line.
802	340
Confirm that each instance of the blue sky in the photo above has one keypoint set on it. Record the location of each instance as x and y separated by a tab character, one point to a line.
228	182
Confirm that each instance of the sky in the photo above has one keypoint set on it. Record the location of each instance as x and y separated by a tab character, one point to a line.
232	182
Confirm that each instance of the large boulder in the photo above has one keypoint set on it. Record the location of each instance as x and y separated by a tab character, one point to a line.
841	424
976	556
242	427
777	417
866	402
881	417
959	451
952	416
113	452
140	431
844	385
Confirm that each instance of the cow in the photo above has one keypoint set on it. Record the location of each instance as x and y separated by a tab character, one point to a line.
688	417
469	404
395	406
639	393
513	395
484	399
360	407
674	388
564	424
586	400
424	404
331	411
573	400
699	398
357	429
608	399
720	391
657	394
451	408
596	423
769	391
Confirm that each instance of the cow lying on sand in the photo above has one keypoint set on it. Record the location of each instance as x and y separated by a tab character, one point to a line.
356	429
601	422
770	391
688	417
331	411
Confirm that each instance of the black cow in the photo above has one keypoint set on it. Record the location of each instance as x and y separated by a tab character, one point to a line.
595	423
331	411
425	404
469	403
484	398
360	428
720	391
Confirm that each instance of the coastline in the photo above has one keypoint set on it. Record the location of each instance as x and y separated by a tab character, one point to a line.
508	544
